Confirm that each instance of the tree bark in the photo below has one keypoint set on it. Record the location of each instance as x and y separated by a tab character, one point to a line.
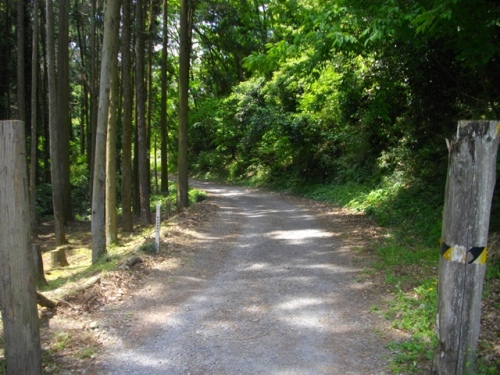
84	111
94	92
127	121
55	168
184	61
58	258
34	115
21	89
5	73
141	117
108	63
163	104
17	286
38	265
111	177
63	114
468	195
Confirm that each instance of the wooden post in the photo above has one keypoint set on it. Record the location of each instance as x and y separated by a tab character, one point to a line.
158	227
17	284
469	191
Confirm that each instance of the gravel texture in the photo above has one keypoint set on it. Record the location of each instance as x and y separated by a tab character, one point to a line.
270	289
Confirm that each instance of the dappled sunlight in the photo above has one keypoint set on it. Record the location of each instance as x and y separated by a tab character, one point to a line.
257	266
299	235
281	302
299	303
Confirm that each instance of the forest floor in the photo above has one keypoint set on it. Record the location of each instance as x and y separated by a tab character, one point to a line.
205	305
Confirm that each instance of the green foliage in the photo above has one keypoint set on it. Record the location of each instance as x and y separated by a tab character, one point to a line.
80	195
148	248
196	196
87	352
415	313
43	200
60	342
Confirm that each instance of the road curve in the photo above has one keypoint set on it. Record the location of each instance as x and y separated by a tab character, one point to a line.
284	300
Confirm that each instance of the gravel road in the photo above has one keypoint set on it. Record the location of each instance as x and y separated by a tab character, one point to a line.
271	291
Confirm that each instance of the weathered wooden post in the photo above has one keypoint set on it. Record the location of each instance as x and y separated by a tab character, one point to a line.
469	191
17	284
158	227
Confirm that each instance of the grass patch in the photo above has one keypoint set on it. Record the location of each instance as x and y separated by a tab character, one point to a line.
60	342
87	352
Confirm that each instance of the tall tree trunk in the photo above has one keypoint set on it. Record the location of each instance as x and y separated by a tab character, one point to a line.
34	135
127	121
21	101
63	115
111	177
149	80
94	93
44	101
163	103
109	63
184	61
136	191
141	117
84	115
6	53
55	168
17	289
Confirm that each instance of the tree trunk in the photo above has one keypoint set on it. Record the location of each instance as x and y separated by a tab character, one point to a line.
127	122
63	115
184	60
149	87
5	101
468	195
84	111
38	265
34	115
94	92
111	177
17	289
163	103
141	117
55	168
108	63
21	101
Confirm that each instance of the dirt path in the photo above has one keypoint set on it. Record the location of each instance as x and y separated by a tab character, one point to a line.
269	288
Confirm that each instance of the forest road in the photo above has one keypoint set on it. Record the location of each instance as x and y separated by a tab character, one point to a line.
271	290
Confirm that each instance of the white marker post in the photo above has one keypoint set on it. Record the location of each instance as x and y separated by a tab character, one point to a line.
158	206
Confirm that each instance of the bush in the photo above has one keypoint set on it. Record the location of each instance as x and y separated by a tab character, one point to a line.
80	195
43	205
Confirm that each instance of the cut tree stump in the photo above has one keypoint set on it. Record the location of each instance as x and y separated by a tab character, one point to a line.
58	257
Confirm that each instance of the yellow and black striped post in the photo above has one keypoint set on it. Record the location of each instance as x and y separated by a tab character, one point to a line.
469	191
